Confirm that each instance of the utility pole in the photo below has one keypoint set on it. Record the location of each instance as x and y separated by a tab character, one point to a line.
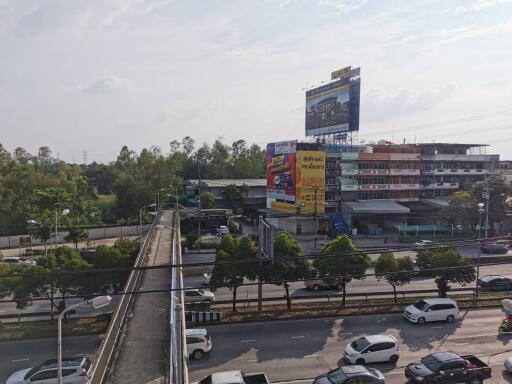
199	207
487	203
315	216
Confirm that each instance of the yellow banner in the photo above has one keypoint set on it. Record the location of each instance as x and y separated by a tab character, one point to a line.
283	207
310	186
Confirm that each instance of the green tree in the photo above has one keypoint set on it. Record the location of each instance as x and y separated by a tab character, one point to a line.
41	232
77	235
397	272
207	200
448	267
498	190
461	210
341	259
235	196
288	264
111	257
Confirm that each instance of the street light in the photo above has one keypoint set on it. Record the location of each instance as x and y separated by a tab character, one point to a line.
480	211
96	303
34	222
140	219
64	212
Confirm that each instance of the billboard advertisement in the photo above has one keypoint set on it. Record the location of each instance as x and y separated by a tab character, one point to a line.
281	161
334	107
310	182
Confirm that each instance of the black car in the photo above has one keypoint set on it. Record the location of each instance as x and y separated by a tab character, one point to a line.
351	374
495	249
495	283
448	367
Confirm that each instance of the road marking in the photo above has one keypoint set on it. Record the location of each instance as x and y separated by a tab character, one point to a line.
298	337
436	327
247	341
252	361
462	344
310	356
480	325
15	361
345	333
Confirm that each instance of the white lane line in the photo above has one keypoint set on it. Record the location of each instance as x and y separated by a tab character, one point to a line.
252	361
248	341
345	333
298	337
2	311
15	361
436	327
461	344
480	325
310	356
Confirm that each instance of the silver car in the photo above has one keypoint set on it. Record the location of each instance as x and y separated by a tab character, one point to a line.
74	371
199	296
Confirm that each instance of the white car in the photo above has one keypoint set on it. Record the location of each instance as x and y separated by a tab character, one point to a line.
18	260
74	371
372	349
437	309
222	229
424	243
207	278
199	296
198	342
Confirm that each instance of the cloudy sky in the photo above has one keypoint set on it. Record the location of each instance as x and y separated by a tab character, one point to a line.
95	75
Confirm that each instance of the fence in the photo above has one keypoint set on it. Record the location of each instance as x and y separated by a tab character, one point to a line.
103	360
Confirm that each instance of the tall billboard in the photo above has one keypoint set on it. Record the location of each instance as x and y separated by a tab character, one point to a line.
281	175
334	107
310	189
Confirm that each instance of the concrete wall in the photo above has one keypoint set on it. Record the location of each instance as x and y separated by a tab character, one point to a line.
94	234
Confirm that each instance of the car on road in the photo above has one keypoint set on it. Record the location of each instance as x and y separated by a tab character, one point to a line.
199	296
350	374
448	367
424	243
319	282
199	342
234	377
495	283
18	260
372	349
222	230
438	309
206	278
508	364
74	371
494	249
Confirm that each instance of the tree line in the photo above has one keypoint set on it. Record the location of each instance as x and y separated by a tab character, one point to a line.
35	186
238	260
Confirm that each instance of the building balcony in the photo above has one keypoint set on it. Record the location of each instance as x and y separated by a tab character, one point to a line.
332	187
458	171
441	186
373	171
460	157
402	187
405	156
349	171
373	187
331	203
404	172
349	187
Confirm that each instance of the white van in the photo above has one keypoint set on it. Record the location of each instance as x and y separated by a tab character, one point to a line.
432	310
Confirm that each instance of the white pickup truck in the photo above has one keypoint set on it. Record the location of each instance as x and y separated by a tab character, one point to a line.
234	377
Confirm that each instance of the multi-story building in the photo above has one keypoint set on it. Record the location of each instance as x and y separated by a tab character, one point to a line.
446	168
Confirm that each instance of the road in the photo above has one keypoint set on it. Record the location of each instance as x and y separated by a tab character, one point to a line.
21	354
302	349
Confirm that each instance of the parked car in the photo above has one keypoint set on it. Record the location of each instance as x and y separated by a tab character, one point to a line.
495	283
424	243
508	364
222	230
372	349
234	377
207	278
351	374
437	309
18	260
448	367
74	371
88	255
494	249
199	296
198	342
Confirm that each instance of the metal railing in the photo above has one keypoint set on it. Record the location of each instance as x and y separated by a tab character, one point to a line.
103	361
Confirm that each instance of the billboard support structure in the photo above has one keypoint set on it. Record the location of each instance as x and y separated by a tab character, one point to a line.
266	243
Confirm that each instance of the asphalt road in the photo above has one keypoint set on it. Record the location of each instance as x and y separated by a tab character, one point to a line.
299	350
21	354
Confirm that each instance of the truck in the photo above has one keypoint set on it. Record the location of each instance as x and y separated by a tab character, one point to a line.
448	367
234	377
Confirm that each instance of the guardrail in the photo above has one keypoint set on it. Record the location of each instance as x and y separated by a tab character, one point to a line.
102	363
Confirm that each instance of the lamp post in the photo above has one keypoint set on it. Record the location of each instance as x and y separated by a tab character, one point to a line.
480	211
140	219
97	302
64	212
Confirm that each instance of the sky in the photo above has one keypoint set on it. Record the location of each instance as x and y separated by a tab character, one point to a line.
96	75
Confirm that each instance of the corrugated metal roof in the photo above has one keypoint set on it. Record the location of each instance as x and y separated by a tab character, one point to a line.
376	206
222	183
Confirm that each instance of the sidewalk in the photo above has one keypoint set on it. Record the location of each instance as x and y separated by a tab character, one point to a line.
143	350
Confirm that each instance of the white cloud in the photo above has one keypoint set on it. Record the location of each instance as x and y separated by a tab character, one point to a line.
341	6
476	6
474	31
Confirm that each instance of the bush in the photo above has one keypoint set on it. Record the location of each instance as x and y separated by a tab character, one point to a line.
207	245
233	228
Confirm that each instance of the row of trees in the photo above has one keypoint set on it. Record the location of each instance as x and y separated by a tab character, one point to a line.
237	260
35	186
64	273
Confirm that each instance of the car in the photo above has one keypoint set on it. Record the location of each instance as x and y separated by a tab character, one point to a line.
234	377
198	342
319	282
222	229
207	278
424	243
88	255
74	371
372	349
351	374
495	283
437	309
199	296
18	260
508	364
494	249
